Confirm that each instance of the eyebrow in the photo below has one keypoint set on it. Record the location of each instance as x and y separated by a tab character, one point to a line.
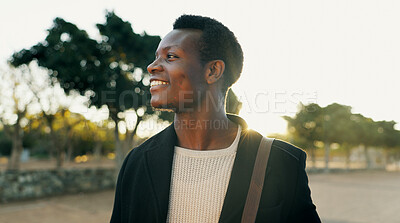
169	47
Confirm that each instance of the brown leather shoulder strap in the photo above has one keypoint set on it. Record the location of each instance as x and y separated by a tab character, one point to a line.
257	181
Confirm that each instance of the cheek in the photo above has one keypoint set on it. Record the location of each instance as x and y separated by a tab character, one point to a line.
183	83
187	80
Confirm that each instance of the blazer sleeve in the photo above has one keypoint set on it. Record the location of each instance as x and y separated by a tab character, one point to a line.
116	216
303	208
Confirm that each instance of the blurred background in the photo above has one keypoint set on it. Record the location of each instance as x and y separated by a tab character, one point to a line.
74	98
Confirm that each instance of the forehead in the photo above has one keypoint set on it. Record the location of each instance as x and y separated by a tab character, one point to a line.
182	39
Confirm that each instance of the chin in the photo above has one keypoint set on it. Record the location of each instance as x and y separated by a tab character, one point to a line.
163	109
157	106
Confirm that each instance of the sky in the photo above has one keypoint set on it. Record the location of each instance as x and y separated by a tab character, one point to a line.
309	51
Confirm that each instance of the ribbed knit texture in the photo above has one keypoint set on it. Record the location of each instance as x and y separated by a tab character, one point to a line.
199	183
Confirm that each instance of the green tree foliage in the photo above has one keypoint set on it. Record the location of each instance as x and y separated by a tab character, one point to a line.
369	133
106	71
336	126
91	138
111	72
388	136
336	123
306	127
65	135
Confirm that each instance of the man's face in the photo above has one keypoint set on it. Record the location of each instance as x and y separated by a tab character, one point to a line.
177	74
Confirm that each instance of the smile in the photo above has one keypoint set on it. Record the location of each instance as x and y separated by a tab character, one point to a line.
156	83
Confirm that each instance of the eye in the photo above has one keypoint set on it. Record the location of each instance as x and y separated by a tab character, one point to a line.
171	57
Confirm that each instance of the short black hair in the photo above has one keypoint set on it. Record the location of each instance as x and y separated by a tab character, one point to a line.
217	42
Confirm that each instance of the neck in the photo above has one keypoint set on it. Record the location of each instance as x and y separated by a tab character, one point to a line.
204	129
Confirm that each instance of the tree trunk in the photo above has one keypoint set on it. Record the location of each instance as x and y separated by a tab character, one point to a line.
128	142
367	157
385	158
347	150
327	151
119	157
397	162
129	139
123	147
70	149
97	151
17	148
58	146
314	165
15	154
60	157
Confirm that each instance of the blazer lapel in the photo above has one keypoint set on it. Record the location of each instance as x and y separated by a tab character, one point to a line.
159	166
242	170
240	180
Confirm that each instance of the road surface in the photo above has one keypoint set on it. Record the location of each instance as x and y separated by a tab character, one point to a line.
361	197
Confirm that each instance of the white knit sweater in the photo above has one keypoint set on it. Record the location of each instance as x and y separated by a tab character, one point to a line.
199	183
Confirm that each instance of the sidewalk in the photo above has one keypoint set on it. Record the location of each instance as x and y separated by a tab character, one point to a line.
354	197
51	164
357	197
78	208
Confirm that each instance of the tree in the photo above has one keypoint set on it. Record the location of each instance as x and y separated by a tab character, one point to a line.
388	136
336	126
330	124
366	131
381	134
62	126
110	72
306	127
52	108
15	98
95	133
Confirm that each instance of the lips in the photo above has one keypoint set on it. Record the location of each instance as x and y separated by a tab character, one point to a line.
156	84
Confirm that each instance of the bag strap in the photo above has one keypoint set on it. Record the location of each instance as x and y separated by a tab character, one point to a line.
257	181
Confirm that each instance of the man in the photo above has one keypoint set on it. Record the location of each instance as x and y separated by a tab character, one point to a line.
199	168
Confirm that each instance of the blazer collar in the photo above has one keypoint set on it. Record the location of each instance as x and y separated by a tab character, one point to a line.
239	182
159	158
159	166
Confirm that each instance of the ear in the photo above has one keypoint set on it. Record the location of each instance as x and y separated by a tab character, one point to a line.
215	69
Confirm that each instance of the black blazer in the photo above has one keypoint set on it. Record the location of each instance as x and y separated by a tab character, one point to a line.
143	186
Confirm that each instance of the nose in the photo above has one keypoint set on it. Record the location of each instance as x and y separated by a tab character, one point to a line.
154	67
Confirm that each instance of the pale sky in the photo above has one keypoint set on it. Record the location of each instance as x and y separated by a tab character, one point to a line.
344	51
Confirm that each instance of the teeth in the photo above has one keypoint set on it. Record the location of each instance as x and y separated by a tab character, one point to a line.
155	83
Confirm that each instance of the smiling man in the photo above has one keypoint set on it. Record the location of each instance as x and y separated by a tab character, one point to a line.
199	168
